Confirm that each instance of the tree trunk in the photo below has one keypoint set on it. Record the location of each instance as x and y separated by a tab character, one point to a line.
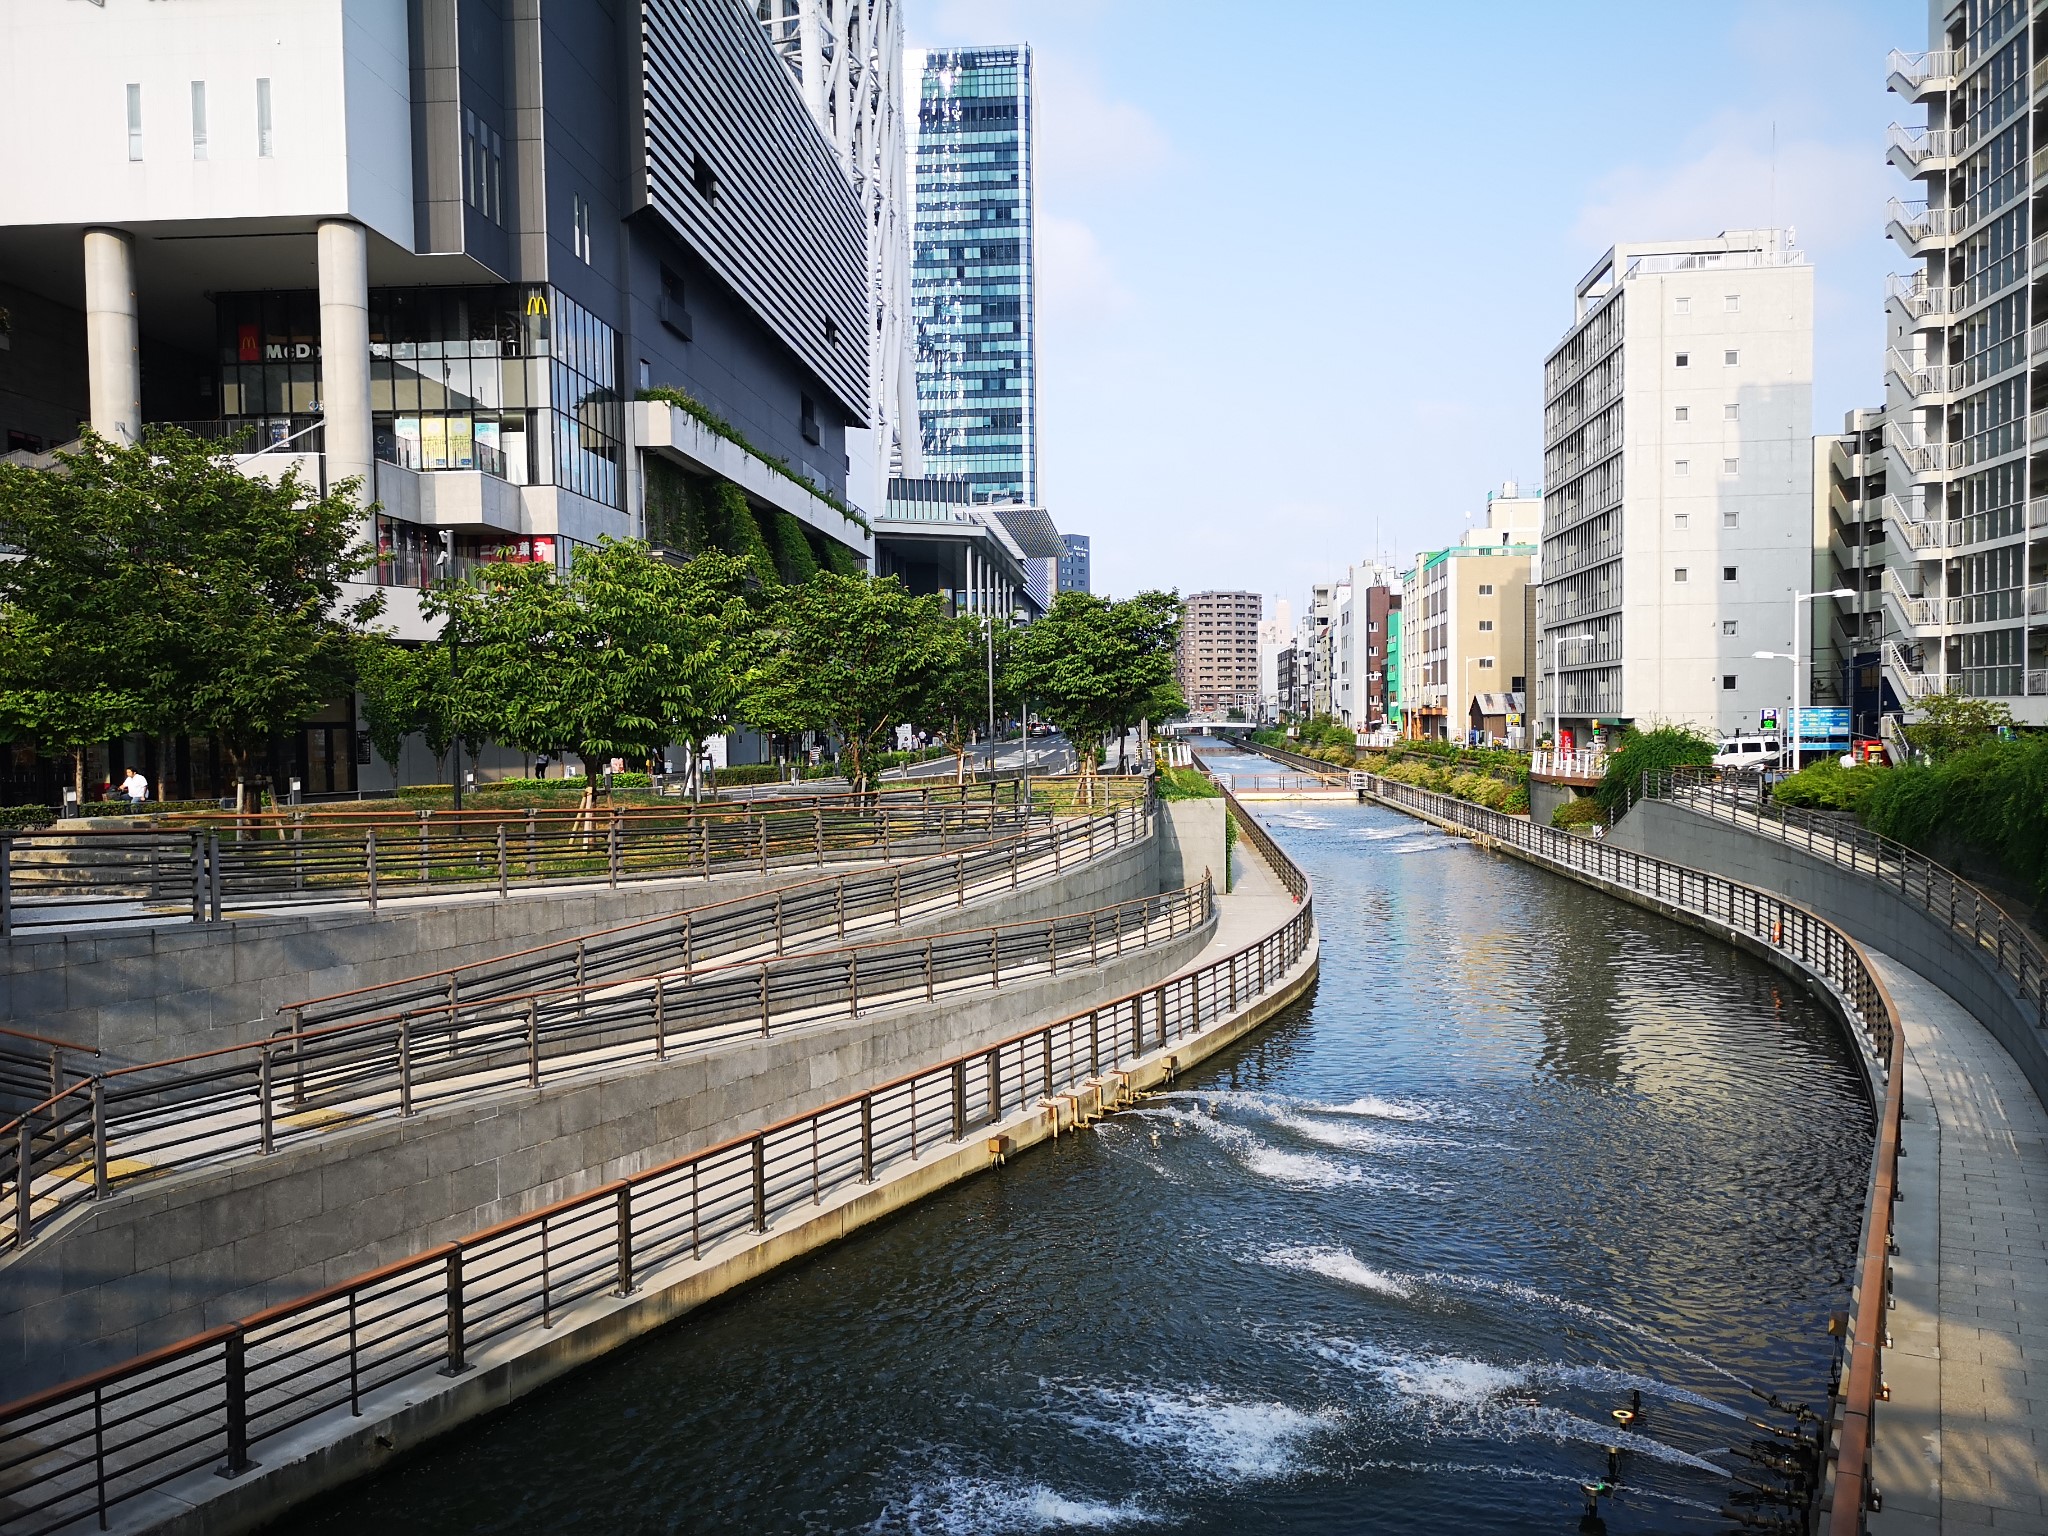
78	777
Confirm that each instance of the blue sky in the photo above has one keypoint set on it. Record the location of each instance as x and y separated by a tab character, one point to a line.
1301	264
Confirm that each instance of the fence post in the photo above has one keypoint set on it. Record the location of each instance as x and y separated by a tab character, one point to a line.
763	824
764	997
687	946
625	1281
760	1183
778	923
928	983
818	832
867	1139
99	1139
7	886
853	981
896	891
24	1178
959	1101
405	1066
995	964
263	1117
370	863
840	907
198	877
237	1385
611	851
455	1364
504	874
995	1086
1159	1004
213	883
661	1018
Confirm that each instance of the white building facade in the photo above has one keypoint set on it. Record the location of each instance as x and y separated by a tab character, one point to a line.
1677	521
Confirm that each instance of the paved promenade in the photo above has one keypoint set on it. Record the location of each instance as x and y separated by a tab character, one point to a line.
1963	1444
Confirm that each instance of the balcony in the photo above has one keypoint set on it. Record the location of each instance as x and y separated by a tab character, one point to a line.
2037	430
2037	600
1921	151
1917	76
2037	513
1917	614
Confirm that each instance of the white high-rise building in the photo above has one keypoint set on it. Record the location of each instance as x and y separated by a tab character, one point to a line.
1964	590
1677	508
1275	635
847	56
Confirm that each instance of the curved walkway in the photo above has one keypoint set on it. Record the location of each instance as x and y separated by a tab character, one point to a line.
1963	1443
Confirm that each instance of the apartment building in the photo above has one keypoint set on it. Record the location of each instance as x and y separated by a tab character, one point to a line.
1274	635
1219	652
1461	625
1677	512
1964	590
1852	548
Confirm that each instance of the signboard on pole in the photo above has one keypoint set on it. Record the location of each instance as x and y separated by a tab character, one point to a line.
1824	728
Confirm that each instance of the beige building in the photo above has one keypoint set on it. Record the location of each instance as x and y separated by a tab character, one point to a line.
1463	630
1219	652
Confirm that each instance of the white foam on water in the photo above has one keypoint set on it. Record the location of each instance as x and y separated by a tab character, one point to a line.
972	1506
1529	1294
1358	1138
1565	1428
1431	1382
1607	1379
1215	1438
1342	1265
1303	1169
1373	1107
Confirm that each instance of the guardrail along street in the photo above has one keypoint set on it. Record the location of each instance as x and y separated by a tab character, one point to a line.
214	1400
1827	953
251	1100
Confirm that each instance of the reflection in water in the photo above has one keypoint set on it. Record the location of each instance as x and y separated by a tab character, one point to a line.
1385	1267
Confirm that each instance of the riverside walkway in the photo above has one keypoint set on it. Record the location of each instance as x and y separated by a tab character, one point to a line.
1963	1443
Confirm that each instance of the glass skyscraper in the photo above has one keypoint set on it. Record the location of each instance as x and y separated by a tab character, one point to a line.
973	284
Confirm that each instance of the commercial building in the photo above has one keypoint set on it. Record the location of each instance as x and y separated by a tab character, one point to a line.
937	540
1964	591
974	275
1219	652
1074	574
1677	517
1462	630
1852	545
441	261
1380	597
1275	634
847	57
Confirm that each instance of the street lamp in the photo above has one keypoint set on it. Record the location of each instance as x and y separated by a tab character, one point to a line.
1793	739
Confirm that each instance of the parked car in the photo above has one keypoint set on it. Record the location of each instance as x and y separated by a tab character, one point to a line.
1747	752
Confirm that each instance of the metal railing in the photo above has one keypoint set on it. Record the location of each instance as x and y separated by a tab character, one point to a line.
2007	946
1826	952
250	1100
792	915
1583	763
79	1450
1270	783
1292	880
122	876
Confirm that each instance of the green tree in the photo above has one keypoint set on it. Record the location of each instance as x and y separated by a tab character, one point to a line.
1954	722
1097	666
1651	752
721	601
405	690
607	659
955	699
159	588
849	655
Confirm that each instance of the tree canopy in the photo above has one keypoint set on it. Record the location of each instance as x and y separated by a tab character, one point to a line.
1095	667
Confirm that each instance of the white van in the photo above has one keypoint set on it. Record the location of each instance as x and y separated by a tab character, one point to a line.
1741	752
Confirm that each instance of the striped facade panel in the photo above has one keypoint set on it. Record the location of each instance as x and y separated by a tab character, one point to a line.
783	226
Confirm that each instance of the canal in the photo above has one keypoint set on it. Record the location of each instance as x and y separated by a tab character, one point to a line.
1388	1266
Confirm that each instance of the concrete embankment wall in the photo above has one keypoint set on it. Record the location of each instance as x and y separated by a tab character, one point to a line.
1873	912
152	994
168	1258
333	1449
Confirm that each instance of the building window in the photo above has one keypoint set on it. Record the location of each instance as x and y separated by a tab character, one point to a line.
134	122
1728	627
1731	303
1727	682
263	143
198	119
1682	360
1682	305
1731	357
1678	574
1486	589
1728	466
1485	626
807	418
1681	413
1727	573
646	374
1730	412
1486	663
1681	466
1730	518
580	228
703	178
1681	520
483	163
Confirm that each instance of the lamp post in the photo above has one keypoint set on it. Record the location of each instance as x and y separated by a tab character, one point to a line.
1792	740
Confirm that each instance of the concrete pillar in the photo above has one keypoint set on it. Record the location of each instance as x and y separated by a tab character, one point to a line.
113	341
345	353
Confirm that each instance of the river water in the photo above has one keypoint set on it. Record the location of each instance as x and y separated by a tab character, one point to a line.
1386	1267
